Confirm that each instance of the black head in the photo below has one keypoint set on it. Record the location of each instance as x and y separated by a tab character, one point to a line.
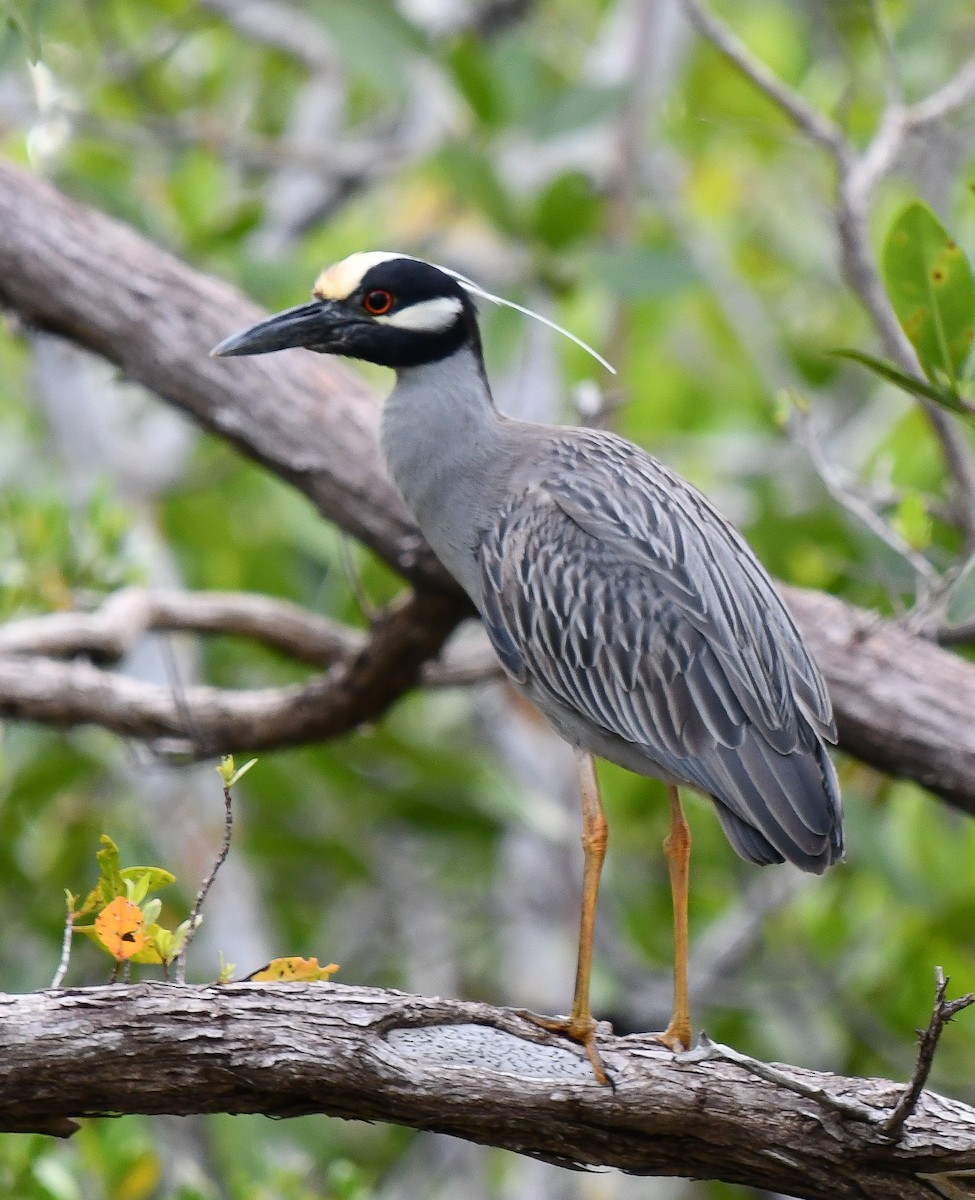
384	308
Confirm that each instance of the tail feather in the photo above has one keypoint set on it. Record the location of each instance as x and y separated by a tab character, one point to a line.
776	807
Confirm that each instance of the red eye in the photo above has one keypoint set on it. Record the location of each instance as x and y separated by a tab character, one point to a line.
378	302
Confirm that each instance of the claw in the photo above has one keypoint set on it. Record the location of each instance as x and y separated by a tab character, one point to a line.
577	1029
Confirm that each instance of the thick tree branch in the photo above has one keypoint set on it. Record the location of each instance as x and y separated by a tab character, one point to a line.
205	721
107	634
901	703
477	1072
78	273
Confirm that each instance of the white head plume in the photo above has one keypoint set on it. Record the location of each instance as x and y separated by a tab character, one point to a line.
340	280
476	290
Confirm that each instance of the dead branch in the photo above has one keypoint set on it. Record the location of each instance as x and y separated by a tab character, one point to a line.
901	703
477	1072
944	1011
74	272
204	721
109	633
114	630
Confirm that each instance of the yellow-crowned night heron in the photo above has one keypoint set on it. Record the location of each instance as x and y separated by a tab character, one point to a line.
617	598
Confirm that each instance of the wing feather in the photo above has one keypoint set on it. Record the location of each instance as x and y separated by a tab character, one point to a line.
613	590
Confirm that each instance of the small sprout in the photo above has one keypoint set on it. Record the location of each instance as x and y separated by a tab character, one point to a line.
229	774
226	970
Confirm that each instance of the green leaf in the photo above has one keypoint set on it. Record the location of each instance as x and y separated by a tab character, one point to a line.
231	774
112	882
567	210
947	397
913	521
930	284
239	774
472	73
149	879
150	952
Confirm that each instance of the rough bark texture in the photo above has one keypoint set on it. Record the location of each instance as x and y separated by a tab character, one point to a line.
208	721
75	272
902	704
467	1069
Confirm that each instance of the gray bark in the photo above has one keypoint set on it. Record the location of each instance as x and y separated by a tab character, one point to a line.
902	704
476	1072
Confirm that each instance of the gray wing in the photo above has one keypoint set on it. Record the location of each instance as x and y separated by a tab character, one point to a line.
612	588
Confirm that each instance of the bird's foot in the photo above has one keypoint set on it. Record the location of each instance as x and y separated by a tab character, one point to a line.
581	1029
676	1037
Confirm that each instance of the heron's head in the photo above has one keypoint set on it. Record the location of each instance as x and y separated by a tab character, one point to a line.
384	308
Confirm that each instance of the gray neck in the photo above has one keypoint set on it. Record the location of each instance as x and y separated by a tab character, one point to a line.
442	439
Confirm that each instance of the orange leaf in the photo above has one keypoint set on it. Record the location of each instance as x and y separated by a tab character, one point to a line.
293	970
120	926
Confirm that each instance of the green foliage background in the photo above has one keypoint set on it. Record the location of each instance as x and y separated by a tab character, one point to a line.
699	265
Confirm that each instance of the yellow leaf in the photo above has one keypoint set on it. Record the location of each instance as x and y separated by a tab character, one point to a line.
120	928
293	970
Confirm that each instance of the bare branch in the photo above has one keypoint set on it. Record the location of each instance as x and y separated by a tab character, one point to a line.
839	488
205	721
901	703
812	123
195	917
114	630
955	94
66	939
857	175
707	1051
944	1010
129	614
477	1072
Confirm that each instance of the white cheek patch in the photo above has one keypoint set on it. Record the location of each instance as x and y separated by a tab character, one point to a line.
428	316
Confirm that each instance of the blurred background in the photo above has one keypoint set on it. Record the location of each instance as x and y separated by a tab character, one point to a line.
595	160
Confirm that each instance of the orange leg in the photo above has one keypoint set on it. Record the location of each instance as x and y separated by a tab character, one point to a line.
580	1025
677	848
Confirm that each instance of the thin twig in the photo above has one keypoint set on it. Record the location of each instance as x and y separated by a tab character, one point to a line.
353	577
857	176
817	127
706	1050
926	577
955	94
62	970
943	1012
195	917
